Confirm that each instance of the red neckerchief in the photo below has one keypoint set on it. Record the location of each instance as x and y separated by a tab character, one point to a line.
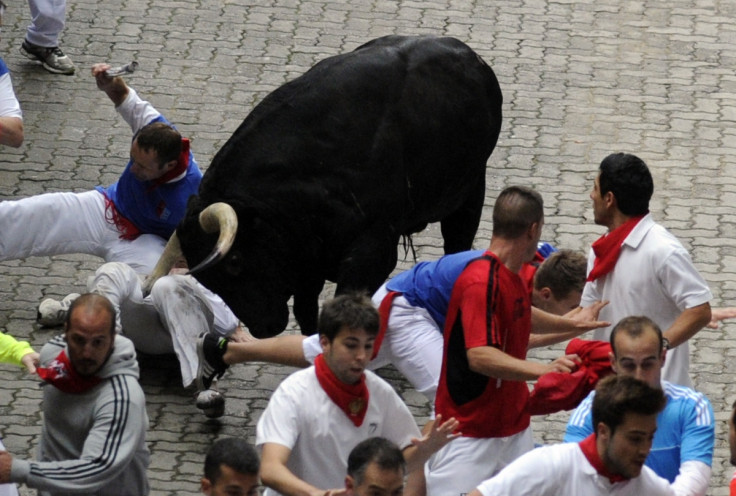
62	375
177	170
608	248
384	311
590	451
351	398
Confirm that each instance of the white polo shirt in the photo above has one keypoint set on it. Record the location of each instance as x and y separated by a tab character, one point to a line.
655	277
320	435
564	469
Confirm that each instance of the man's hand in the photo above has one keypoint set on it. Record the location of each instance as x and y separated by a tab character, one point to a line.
587	318
114	87
240	336
30	361
565	364
439	434
6	461
719	314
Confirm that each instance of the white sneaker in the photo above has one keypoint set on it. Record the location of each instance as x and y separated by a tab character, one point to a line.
211	402
52	312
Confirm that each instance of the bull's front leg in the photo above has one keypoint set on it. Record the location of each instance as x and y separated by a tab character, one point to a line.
306	306
369	261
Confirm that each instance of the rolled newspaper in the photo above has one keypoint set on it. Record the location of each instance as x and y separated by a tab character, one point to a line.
122	70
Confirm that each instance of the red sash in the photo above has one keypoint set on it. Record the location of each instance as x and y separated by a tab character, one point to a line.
384	311
607	248
590	451
126	228
62	375
351	398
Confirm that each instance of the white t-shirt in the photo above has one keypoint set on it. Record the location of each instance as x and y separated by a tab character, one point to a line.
564	469
655	277
320	435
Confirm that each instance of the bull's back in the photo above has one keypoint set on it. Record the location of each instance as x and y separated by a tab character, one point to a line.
401	126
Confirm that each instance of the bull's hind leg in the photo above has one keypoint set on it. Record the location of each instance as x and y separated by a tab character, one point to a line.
459	227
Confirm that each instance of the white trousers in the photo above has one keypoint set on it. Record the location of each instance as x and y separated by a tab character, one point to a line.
413	344
463	464
63	223
47	22
168	320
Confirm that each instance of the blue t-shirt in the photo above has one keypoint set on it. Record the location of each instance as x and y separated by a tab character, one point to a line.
685	430
429	284
154	210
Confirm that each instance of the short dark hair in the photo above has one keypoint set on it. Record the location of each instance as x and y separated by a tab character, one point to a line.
562	272
92	301
634	326
617	395
234	453
733	413
376	450
351	310
516	209
161	138
629	179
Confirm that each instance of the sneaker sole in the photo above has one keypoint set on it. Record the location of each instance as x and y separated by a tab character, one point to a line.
35	58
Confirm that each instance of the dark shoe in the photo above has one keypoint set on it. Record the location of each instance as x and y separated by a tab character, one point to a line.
211	402
52	58
210	350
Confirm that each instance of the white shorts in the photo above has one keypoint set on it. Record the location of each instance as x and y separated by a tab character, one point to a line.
464	463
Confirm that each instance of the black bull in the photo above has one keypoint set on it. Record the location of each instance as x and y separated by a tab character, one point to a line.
331	169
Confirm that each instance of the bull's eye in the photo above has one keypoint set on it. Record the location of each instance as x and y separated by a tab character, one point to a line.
233	264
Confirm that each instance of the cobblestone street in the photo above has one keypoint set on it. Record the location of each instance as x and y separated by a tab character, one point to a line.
581	79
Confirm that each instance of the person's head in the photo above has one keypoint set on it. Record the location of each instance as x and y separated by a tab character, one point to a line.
348	325
625	418
155	151
376	467
624	183
519	214
231	469
559	282
90	333
638	349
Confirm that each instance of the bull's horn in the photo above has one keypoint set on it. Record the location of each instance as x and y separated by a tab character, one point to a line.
171	254
218	217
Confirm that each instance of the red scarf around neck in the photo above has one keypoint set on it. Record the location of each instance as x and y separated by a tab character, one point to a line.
351	398
607	248
589	449
61	374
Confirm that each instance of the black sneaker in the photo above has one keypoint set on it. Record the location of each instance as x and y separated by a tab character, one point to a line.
210	350
52	58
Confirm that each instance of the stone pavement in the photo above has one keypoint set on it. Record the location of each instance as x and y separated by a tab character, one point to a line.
580	79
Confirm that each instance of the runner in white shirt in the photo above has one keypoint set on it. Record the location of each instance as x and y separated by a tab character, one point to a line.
611	461
318	415
640	267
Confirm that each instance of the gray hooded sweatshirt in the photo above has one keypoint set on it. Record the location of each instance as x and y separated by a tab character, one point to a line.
92	442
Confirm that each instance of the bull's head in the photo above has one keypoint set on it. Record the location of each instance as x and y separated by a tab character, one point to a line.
234	259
